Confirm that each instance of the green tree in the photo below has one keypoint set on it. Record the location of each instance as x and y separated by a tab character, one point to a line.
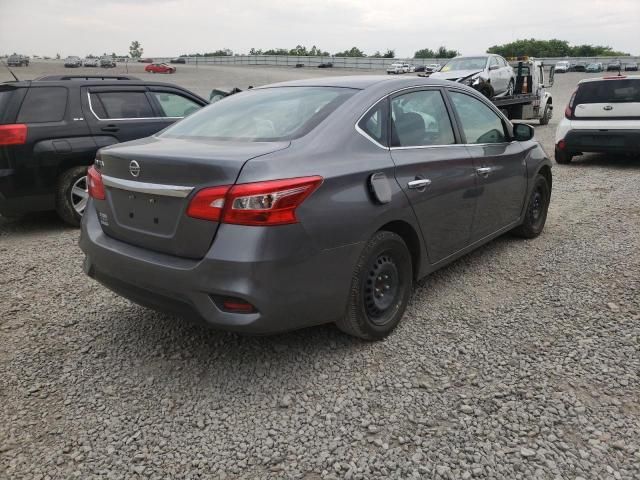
551	48
388	54
135	49
57	56
353	52
425	53
443	52
254	51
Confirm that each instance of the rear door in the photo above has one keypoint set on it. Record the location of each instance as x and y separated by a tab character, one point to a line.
617	98
499	164
434	170
121	113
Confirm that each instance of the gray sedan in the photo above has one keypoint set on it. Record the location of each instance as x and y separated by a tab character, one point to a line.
310	202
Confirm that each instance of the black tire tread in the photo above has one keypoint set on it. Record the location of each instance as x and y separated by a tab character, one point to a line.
525	230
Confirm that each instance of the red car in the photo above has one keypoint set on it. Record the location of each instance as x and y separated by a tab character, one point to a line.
160	68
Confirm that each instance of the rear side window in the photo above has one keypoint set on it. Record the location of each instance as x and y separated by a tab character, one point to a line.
5	97
609	91
420	119
173	105
374	123
117	105
43	104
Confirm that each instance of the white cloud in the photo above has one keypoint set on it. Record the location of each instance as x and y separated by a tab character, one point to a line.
171	27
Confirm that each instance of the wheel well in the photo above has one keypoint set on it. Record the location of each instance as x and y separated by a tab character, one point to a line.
411	239
545	171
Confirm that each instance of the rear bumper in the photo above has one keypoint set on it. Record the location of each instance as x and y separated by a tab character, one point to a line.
291	288
603	141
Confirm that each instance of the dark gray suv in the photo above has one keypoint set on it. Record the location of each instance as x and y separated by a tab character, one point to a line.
309	202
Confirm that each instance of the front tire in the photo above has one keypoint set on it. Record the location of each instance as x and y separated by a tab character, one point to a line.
546	116
537	207
380	288
72	195
510	89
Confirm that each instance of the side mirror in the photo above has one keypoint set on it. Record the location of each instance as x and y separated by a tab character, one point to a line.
523	132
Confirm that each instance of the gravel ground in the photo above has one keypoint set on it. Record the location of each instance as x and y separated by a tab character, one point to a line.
519	361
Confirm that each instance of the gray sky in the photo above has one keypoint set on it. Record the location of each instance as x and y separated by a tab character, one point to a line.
172	27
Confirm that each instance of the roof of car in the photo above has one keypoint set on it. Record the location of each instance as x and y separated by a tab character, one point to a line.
358	81
610	77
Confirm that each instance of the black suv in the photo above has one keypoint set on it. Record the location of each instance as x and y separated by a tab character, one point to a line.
51	128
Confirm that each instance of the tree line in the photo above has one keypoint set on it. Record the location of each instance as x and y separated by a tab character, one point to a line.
552	48
314	51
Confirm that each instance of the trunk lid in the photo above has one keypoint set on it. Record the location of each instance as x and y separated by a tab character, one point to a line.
149	184
614	98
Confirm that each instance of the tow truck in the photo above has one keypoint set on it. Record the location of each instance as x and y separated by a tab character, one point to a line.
531	100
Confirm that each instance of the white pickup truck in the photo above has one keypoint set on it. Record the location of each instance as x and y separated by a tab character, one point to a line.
398	68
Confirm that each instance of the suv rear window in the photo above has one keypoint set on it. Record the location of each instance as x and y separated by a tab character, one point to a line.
43	104
114	105
609	91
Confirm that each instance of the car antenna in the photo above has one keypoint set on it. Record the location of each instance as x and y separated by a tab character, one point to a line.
10	71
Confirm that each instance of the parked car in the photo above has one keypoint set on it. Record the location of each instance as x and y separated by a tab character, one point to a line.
326	65
18	61
72	62
45	150
107	62
433	67
159	68
410	67
614	66
562	66
489	74
595	67
178	60
90	62
396	68
602	116
579	67
631	67
239	217
145	60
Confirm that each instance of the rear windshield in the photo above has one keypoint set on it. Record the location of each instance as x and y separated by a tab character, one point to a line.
269	114
609	91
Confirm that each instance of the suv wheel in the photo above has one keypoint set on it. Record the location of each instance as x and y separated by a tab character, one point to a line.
563	157
380	288
72	195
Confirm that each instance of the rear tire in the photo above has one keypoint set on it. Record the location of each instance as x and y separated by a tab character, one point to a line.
70	199
562	157
537	207
380	288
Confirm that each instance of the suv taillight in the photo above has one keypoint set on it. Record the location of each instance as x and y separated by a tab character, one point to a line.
568	112
95	184
13	134
272	202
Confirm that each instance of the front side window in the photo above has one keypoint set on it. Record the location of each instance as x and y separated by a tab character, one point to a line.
266	114
43	104
479	123
494	62
120	105
420	119
173	105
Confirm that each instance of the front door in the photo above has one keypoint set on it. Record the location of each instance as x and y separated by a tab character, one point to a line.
499	165
436	173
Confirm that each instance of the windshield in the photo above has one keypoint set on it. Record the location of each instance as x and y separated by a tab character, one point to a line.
465	63
269	114
609	91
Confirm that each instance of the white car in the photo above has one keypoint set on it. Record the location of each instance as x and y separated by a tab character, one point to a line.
603	115
490	74
397	68
562	67
432	67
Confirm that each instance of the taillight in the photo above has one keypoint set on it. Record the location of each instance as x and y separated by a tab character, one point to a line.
14	134
208	203
94	184
268	203
272	202
568	112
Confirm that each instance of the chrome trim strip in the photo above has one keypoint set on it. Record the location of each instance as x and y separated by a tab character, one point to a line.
123	119
179	191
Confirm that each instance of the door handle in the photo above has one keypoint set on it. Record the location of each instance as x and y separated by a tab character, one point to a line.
419	183
484	171
110	128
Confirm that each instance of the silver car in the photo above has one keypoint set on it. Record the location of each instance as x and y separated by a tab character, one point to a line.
490	74
310	202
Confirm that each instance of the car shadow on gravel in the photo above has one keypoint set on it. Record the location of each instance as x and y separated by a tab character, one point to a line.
32	223
616	162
